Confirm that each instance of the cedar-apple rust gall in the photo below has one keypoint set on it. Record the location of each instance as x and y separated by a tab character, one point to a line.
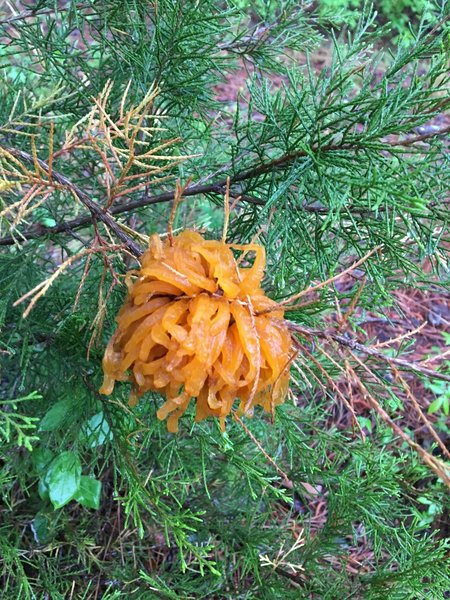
195	327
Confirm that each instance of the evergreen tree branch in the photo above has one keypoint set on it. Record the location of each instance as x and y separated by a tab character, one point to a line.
434	463
421	138
352	344
97	212
218	187
26	14
329	159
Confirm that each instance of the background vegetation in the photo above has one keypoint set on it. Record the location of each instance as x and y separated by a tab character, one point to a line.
336	144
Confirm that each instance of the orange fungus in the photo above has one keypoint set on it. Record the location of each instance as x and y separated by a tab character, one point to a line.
193	326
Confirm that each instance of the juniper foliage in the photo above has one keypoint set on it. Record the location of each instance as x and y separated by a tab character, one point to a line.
98	500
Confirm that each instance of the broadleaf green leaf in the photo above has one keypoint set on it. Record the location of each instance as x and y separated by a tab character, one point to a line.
63	478
40	527
57	416
435	405
89	491
96	431
41	458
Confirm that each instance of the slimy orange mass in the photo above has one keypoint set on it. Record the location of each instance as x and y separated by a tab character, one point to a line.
193	328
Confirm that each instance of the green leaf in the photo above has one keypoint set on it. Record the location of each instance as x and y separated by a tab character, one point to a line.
446	337
435	405
63	478
41	458
57	416
40	526
43	490
437	388
49	222
89	491
96	431
365	422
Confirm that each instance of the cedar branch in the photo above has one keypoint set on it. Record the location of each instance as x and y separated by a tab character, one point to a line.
97	212
218	187
352	344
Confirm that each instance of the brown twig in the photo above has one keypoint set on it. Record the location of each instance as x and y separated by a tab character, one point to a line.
179	189
331	382
344	318
318	286
402	336
210	188
294	578
352	344
287	481
421	138
96	211
39	290
26	14
420	412
435	464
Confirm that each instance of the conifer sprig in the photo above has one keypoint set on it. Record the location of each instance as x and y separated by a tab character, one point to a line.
328	142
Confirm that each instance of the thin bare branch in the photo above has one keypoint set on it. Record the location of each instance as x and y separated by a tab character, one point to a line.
435	464
217	187
26	14
322	284
421	138
420	412
96	211
352	344
286	479
39	290
401	337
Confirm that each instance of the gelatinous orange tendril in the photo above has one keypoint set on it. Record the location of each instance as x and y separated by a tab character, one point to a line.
190	329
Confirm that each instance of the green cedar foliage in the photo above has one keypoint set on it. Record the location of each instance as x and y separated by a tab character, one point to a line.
98	500
398	14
